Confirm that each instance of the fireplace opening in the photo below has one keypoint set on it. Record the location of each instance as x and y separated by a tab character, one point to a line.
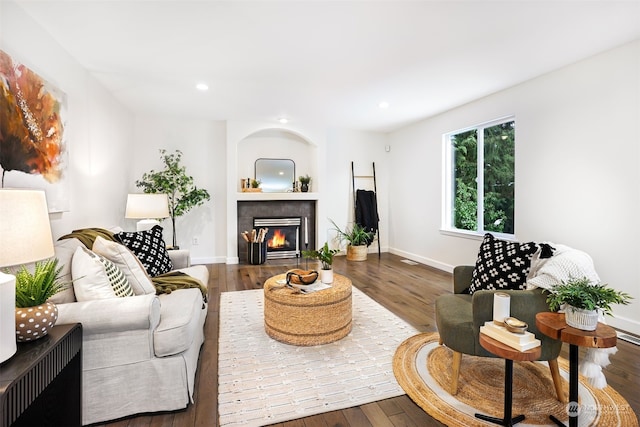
283	236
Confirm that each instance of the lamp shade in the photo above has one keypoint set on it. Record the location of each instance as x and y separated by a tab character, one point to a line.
25	236
25	232
142	206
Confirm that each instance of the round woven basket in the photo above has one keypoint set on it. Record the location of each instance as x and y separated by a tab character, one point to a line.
357	253
307	319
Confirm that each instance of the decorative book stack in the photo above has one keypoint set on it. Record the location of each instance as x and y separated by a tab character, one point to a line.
521	342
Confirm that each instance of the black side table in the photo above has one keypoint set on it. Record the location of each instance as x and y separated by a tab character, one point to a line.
41	385
509	354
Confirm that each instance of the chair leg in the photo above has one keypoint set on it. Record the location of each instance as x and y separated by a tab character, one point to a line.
557	380
455	372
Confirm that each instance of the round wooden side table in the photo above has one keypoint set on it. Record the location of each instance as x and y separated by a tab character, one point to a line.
509	354
307	319
555	326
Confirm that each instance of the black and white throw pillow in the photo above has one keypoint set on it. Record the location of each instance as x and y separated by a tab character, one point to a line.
502	264
150	249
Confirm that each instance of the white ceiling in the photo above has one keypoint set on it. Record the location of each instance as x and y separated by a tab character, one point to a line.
326	62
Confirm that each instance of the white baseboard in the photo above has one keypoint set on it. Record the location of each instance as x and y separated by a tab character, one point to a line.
623	324
208	260
423	260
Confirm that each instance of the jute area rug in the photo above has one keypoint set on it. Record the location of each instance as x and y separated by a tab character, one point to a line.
262	381
423	369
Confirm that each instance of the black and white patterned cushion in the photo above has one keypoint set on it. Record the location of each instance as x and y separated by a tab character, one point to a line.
502	264
150	249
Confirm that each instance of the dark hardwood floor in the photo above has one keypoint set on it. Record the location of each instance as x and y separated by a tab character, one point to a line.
407	290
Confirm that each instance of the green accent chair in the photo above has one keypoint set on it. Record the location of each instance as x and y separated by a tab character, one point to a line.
459	317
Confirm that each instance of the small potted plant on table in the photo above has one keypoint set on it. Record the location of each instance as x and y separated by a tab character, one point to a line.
325	256
32	292
584	300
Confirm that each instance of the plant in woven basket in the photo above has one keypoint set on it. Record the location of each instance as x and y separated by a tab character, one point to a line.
583	294
357	235
34	289
324	255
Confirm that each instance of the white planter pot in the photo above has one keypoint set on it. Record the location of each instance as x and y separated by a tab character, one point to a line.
326	276
578	318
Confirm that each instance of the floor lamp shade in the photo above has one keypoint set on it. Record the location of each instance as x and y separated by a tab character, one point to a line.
25	236
147	207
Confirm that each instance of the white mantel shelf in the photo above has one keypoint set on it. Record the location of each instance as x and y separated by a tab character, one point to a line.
276	196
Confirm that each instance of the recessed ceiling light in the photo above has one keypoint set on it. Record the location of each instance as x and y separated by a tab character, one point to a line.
383	104
202	87
283	120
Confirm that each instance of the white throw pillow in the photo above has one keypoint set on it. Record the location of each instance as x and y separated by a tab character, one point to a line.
95	277
126	261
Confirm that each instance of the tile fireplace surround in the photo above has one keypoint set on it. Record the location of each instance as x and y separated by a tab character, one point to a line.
247	210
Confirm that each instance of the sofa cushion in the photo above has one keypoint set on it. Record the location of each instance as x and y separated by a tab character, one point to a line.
95	277
502	264
179	321
128	263
64	250
150	249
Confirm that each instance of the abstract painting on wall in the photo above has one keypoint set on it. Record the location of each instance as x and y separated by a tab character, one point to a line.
33	152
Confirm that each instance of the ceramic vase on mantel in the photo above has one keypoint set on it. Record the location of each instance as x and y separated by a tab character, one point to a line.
578	318
326	276
35	322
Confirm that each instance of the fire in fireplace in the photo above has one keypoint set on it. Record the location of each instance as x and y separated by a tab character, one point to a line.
283	237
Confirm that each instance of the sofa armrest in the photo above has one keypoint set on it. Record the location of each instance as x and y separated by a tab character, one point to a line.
462	275
180	258
112	314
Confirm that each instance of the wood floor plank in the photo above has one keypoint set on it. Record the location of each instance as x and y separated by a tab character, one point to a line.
409	291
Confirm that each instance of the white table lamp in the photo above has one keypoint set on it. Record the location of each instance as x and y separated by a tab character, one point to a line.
25	236
147	207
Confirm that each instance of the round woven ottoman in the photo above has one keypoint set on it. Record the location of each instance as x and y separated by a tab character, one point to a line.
307	319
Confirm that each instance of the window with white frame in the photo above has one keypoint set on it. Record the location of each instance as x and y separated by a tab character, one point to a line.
480	179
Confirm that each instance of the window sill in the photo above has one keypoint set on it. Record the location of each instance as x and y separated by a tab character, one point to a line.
475	235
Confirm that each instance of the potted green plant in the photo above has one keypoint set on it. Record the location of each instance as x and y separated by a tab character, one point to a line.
255	183
173	180
357	238
35	316
304	183
584	300
325	256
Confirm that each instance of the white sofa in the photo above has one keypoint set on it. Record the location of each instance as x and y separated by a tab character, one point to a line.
140	353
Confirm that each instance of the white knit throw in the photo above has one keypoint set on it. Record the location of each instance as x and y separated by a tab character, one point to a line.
565	264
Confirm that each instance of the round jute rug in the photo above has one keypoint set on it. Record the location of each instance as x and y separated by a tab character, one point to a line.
423	369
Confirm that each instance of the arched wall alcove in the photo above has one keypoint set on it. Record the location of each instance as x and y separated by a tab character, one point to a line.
276	143
247	142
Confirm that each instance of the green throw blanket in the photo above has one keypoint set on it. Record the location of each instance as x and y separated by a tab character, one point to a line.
164	283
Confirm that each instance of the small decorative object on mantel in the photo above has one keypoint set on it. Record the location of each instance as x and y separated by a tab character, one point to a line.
304	183
584	301
34	315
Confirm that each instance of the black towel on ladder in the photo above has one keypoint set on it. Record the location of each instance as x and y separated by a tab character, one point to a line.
366	211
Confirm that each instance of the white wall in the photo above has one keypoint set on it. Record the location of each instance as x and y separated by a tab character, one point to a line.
577	171
363	148
98	132
203	146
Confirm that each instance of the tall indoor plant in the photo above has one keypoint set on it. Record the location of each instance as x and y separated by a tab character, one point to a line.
584	300
325	256
357	238
173	180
